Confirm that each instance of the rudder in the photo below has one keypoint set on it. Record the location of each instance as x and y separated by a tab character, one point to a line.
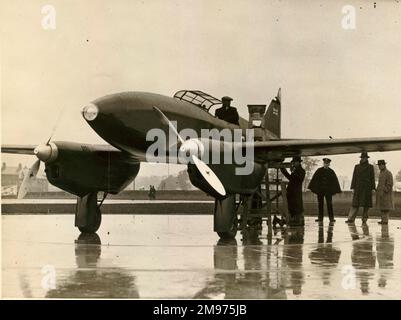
272	117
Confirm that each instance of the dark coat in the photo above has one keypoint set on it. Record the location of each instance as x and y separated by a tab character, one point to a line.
363	182
294	190
229	115
384	193
324	182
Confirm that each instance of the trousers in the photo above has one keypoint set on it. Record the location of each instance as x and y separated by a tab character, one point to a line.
329	202
354	211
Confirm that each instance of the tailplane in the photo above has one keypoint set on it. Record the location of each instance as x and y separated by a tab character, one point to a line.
272	117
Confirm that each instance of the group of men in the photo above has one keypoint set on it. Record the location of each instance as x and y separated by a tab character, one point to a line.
324	184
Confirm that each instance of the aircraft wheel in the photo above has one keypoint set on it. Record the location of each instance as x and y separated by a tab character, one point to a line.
231	233
93	227
88	216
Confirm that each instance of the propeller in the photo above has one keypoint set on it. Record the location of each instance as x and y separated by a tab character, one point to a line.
56	124
29	176
192	146
44	152
167	122
209	176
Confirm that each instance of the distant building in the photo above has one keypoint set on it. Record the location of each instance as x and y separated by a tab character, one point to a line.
10	176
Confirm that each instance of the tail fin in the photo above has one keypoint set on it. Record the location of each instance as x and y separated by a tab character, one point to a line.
272	117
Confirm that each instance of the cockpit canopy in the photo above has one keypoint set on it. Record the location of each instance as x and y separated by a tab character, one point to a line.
197	98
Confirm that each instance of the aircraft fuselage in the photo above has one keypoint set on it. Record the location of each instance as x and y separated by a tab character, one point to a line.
124	119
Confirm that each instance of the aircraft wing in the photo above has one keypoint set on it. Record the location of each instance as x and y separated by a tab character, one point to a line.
28	149
19	149
96	148
279	149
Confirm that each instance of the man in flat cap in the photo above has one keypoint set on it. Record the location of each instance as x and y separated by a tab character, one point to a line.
325	184
226	112
384	193
294	192
363	182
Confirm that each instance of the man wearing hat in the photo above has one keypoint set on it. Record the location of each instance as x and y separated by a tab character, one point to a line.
226	112
384	193
363	182
325	184
294	192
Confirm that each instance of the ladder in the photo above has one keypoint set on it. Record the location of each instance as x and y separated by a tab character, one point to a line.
265	201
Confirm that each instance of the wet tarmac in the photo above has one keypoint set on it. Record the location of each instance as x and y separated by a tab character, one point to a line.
176	256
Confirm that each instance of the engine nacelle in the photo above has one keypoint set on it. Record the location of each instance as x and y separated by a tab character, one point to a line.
232	182
81	169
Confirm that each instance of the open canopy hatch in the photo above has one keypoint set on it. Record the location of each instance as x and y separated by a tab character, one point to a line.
198	98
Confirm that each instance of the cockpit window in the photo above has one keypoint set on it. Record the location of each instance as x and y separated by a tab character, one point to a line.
198	98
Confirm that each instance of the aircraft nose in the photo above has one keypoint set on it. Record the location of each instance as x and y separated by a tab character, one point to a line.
90	112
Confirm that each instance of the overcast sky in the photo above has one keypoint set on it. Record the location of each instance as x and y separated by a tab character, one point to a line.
343	83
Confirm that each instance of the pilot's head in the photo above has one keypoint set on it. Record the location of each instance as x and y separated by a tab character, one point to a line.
226	101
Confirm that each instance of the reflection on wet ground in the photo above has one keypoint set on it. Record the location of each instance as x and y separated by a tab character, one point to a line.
180	257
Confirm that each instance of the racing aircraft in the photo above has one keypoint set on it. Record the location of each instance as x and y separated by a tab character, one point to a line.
124	121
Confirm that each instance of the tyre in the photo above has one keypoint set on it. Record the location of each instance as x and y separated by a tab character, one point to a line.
94	225
231	233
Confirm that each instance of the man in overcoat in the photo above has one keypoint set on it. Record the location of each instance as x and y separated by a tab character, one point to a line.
294	192
325	184
384	192
363	182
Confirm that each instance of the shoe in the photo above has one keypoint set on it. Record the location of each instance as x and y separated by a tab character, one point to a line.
349	221
382	222
318	220
332	221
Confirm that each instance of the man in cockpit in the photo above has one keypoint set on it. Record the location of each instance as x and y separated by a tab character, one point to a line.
226	112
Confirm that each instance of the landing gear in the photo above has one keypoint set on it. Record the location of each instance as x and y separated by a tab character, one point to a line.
225	217
88	216
231	233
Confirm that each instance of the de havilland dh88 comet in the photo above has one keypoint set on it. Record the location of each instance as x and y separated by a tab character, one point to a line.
131	122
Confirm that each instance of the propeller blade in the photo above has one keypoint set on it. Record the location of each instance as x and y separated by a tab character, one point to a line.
52	132
56	124
203	168
48	140
166	121
209	176
26	183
